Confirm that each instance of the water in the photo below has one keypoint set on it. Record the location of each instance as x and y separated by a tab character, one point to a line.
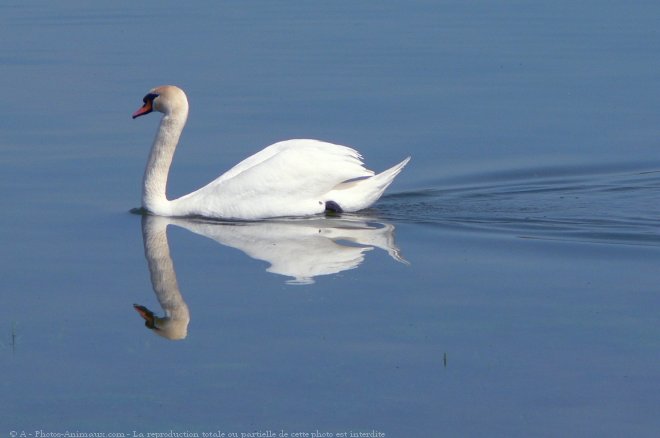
505	286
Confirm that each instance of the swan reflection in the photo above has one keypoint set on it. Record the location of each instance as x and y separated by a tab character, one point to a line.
174	325
300	249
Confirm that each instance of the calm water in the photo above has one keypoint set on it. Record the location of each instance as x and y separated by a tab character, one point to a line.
507	285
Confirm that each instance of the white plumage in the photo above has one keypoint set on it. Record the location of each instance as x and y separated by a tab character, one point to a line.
290	178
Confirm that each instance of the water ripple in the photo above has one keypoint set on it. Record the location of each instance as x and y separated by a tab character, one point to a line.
607	204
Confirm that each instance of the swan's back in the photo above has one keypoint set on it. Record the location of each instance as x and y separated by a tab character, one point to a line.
299	154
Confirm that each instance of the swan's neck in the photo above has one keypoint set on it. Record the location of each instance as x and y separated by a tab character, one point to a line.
154	191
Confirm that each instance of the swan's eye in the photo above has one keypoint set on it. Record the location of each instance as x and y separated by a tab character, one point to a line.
150	97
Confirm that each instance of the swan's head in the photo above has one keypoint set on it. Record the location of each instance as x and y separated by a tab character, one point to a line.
170	328
166	99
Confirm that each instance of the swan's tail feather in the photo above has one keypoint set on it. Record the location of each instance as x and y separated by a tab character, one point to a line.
386	177
358	194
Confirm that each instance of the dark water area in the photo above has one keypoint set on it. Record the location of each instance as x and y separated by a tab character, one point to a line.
505	285
600	204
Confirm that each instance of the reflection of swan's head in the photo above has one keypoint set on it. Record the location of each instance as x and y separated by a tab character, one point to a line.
166	99
167	327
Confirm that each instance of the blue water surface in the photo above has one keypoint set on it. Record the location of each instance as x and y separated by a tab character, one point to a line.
506	285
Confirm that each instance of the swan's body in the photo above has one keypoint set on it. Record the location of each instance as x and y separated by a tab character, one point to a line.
289	178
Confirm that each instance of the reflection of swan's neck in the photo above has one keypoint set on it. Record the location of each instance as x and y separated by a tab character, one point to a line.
163	278
154	197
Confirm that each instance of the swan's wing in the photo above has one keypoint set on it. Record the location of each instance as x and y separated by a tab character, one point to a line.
289	178
251	161
293	167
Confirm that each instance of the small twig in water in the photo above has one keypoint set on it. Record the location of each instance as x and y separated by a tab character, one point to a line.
12	341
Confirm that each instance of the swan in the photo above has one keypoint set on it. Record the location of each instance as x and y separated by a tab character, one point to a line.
300	177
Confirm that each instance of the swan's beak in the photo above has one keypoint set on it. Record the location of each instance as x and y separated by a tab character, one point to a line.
148	315
144	109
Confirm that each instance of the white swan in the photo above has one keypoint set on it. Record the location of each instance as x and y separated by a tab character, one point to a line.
289	178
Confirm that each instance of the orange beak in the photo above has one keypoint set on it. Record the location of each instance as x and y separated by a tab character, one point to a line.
147	314
144	109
